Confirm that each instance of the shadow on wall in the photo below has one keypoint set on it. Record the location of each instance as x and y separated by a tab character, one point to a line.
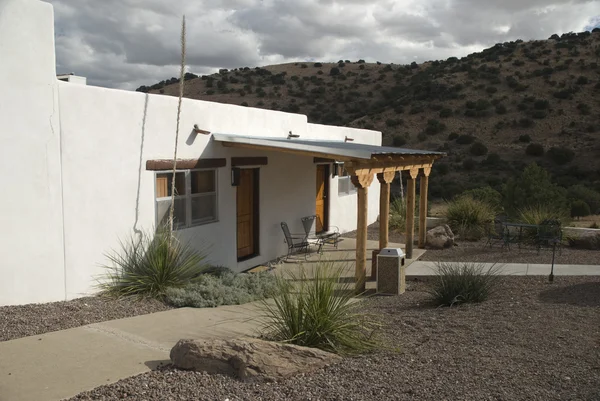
584	294
136	230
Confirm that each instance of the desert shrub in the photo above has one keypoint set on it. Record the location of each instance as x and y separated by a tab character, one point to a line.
469	217
393	122
469	164
526	139
588	195
560	155
148	265
541	104
539	114
452	136
315	309
465	139
526	122
334	71
582	80
491	89
584	109
493	160
434	126
538	213
317	65
462	282
487	195
531	188
398	214
580	209
398	141
501	109
224	289
445	113
478	149
422	137
534	149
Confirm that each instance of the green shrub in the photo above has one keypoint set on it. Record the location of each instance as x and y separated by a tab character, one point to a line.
478	149
149	265
434	126
541	104
538	213
465	139
531	188
462	282
526	139
579	209
561	155
469	217
223	289
315	309
452	136
487	195
534	149
588	195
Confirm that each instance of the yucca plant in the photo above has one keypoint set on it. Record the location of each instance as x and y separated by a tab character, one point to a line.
315	309
469	217
462	282
148	265
537	214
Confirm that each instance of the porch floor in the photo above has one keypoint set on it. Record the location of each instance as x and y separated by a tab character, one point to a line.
344	254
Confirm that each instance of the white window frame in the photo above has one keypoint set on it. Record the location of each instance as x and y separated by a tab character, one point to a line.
344	180
188	198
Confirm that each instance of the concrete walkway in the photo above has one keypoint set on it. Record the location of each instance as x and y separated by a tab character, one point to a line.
59	365
422	269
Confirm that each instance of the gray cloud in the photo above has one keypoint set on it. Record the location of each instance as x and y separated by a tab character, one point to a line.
127	43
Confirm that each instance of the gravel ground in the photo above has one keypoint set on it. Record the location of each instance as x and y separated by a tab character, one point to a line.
477	251
531	341
34	319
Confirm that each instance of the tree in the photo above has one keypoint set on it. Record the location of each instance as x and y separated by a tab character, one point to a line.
532	188
579	209
587	195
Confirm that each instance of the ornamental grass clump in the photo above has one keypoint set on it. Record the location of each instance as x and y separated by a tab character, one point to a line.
469	217
148	265
463	282
315	309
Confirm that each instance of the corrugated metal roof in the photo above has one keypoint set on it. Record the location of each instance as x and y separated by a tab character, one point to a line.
339	148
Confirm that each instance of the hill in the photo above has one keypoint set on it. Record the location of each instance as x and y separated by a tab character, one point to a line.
492	112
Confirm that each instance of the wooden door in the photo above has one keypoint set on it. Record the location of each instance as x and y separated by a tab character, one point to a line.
246	213
322	210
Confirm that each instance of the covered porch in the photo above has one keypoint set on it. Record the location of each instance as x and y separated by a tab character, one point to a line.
364	163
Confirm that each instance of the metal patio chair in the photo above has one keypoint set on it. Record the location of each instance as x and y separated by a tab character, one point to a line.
295	242
320	239
496	231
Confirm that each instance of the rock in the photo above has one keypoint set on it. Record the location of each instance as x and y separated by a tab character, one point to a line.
589	240
440	237
248	358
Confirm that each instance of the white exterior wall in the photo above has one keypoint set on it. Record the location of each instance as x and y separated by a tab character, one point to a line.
90	162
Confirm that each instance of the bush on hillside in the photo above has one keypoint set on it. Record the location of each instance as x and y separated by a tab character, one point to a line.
534	149
469	217
398	141
465	139
487	195
478	149
560	155
526	139
588	195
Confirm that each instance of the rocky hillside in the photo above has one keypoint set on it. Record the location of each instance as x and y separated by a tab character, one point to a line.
492	112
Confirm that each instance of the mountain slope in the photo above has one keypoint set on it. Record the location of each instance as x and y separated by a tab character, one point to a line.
493	112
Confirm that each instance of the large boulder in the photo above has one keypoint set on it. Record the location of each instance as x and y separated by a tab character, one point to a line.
249	358
440	237
588	240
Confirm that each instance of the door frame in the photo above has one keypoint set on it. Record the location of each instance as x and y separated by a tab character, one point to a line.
326	194
255	216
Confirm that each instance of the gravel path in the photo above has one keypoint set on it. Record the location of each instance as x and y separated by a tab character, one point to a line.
531	341
478	251
34	319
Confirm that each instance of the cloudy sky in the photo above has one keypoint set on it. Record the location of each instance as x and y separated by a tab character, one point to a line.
128	43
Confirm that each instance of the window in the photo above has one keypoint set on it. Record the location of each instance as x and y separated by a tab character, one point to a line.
195	197
345	185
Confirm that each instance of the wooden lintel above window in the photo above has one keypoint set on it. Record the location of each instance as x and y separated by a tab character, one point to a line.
322	160
185	164
249	161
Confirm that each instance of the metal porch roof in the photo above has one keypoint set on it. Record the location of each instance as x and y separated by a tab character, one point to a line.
336	148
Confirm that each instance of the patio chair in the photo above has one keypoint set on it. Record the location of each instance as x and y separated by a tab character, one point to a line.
549	233
496	231
320	239
295	242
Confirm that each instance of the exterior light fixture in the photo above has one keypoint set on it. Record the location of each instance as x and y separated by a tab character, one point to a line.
290	135
200	131
348	139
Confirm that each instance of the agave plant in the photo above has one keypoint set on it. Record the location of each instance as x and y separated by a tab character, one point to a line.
463	282
315	309
148	265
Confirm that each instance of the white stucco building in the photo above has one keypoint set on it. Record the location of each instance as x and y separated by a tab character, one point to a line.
84	167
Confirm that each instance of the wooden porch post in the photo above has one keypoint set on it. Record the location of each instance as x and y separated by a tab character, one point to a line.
385	180
362	181
423	206
410	211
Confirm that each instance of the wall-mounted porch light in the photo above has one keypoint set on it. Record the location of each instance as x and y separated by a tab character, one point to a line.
348	139
200	131
290	135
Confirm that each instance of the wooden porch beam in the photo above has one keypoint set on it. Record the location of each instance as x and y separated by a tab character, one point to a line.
410	211
423	206
385	179
362	183
284	150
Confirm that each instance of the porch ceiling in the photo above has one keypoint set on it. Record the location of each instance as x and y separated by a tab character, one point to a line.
359	156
